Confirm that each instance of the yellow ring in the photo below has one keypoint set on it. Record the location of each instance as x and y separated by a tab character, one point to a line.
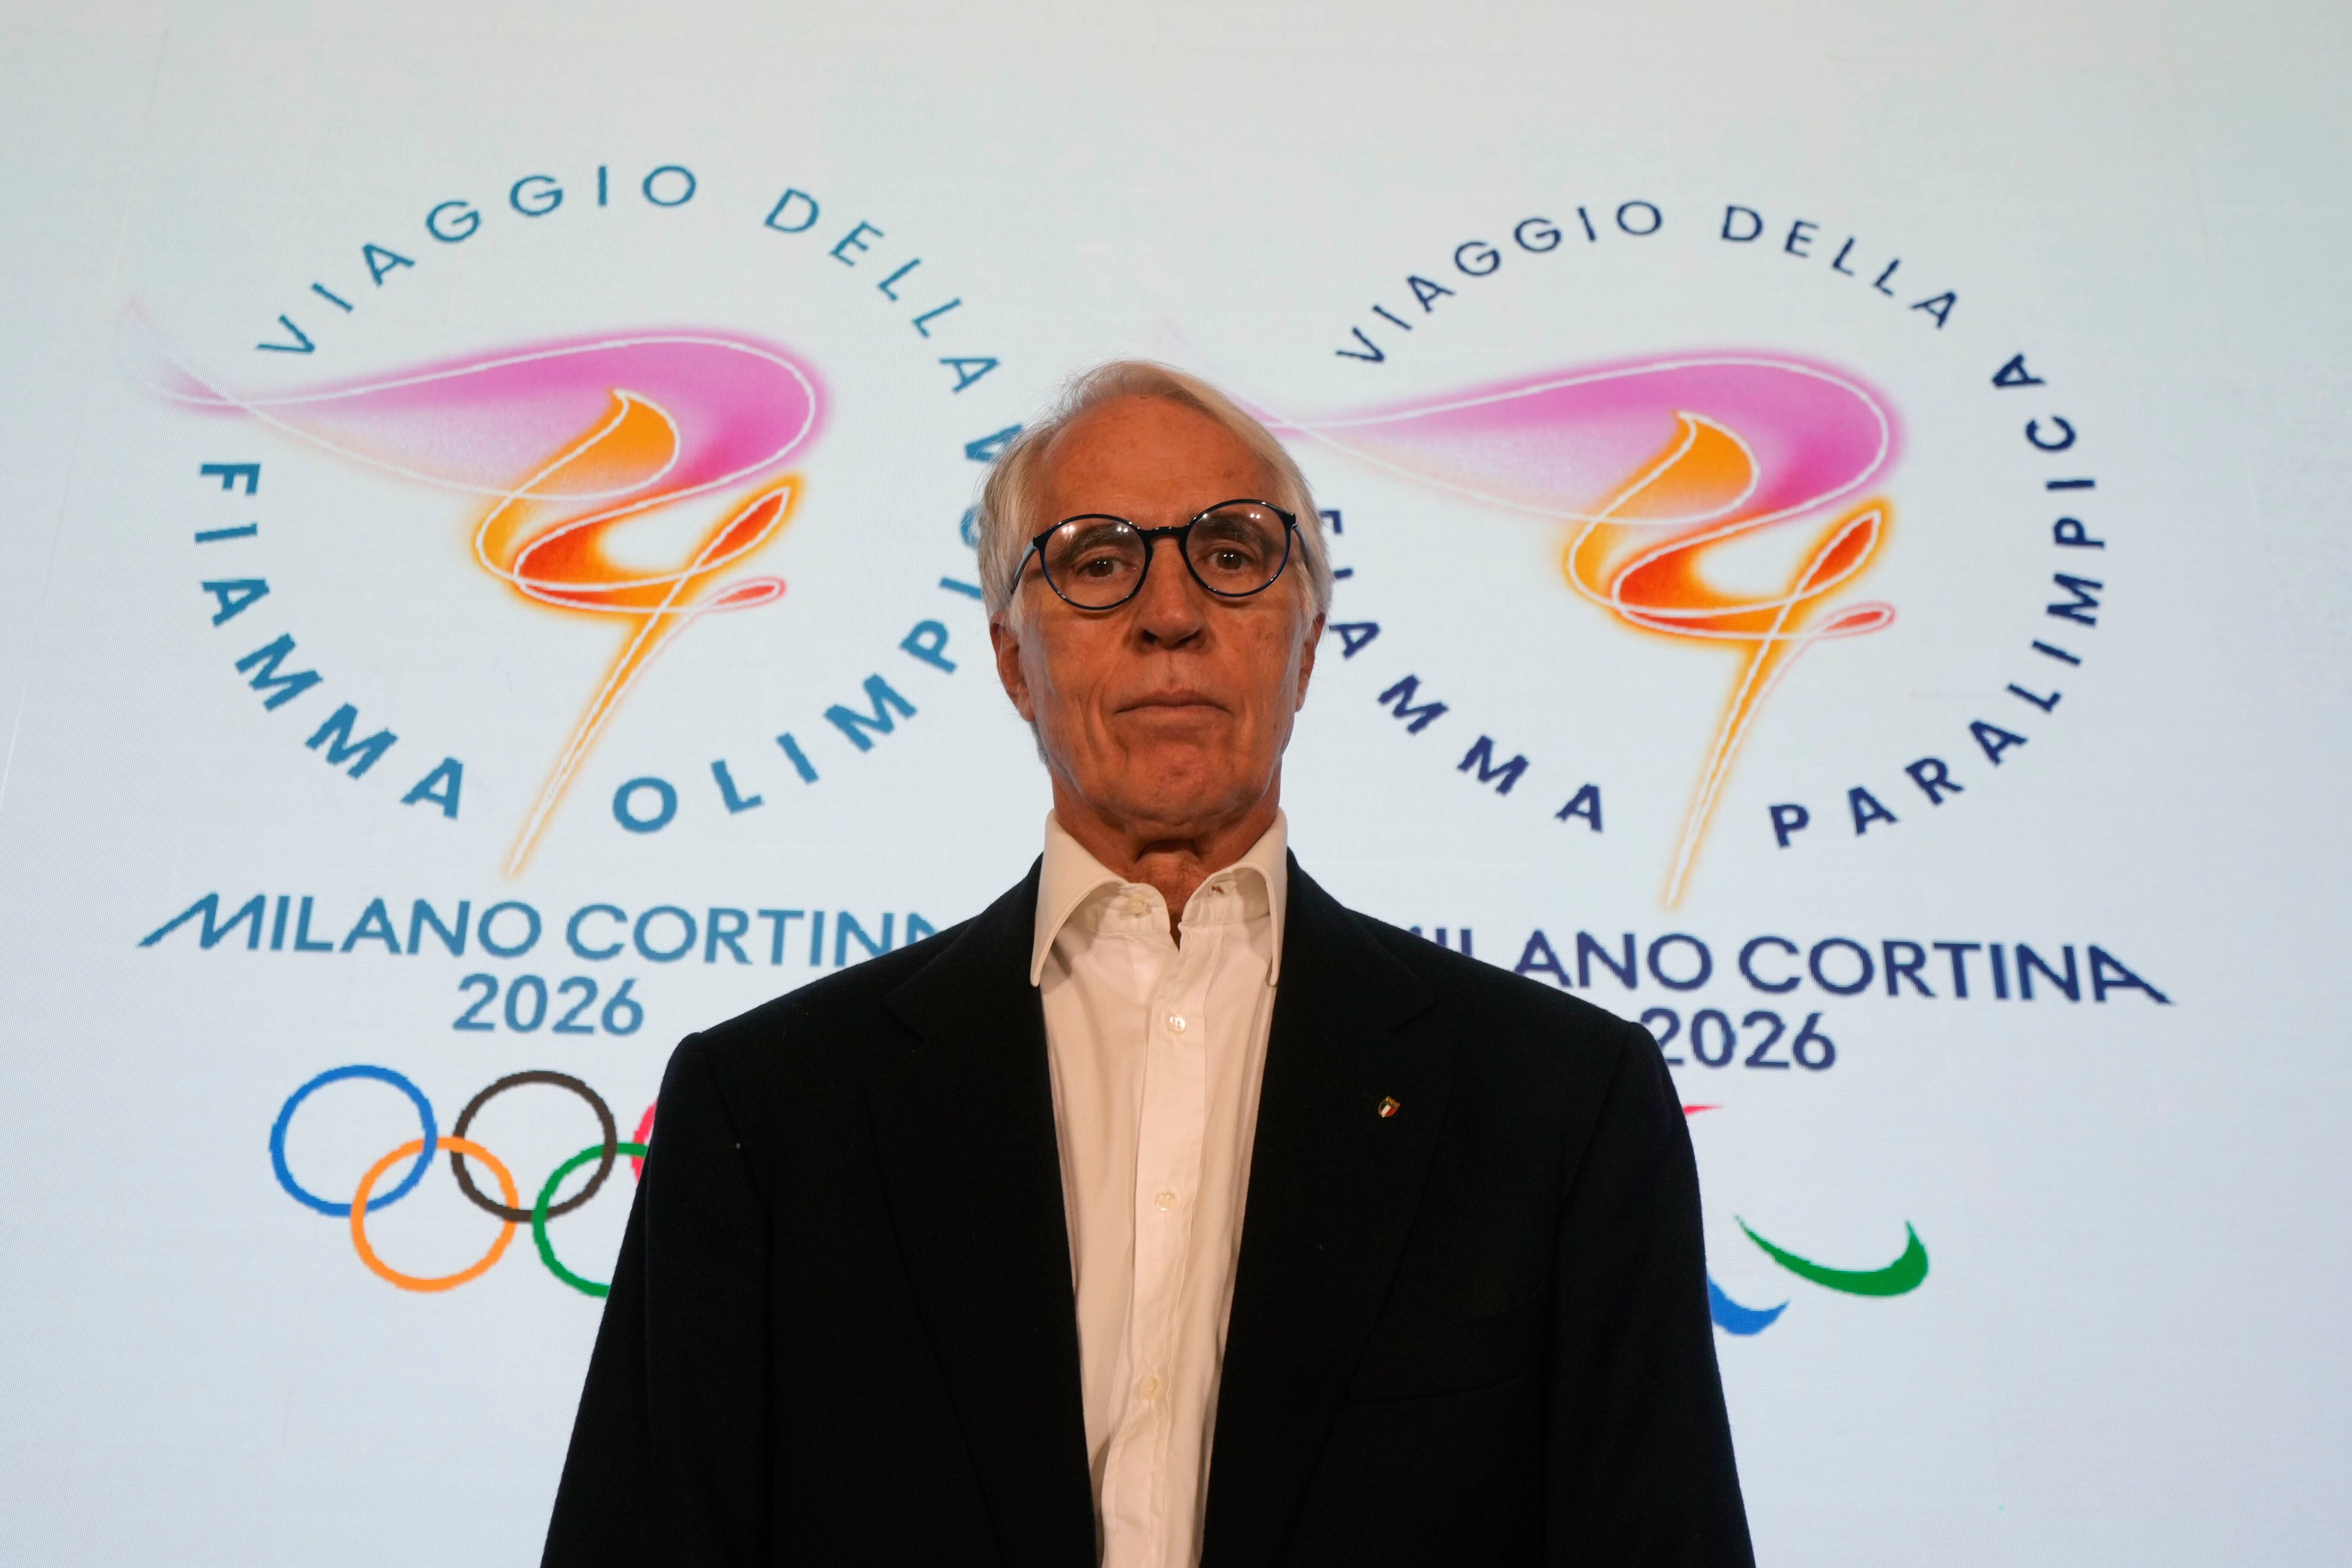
447	1281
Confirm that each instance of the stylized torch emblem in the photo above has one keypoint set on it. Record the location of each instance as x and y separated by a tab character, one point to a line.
565	445
1652	465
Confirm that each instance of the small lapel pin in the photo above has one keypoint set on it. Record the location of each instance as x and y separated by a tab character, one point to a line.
1390	1106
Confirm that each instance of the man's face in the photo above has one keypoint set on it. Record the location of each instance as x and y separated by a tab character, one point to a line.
1169	714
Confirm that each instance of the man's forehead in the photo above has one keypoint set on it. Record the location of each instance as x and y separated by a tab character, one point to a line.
1149	452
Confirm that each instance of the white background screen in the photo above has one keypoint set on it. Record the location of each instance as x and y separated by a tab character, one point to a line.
1841	508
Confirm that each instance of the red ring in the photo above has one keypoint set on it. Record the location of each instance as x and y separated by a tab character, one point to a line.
642	1134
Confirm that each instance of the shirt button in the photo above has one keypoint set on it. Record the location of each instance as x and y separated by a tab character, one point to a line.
1149	1388
1137	906
1163	1201
1175	1023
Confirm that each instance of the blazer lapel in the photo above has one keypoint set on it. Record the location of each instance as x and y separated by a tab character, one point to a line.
1332	1191
973	1167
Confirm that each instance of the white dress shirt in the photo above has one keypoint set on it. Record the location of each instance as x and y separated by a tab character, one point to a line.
1156	1053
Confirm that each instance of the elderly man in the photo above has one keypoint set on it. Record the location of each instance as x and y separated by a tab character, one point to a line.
1166	1212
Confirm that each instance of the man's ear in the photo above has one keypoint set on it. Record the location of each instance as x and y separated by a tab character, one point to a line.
1306	658
1008	668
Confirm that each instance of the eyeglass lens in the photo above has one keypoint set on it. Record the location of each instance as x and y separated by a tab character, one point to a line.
1098	562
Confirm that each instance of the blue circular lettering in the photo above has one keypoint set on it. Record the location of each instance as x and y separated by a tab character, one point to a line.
1656	217
626	815
678	200
545	199
1544	231
1486	256
467	215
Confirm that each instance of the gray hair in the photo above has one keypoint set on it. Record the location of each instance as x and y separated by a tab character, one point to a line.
1005	520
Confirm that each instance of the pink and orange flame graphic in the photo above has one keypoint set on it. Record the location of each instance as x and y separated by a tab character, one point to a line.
1652	465
564	445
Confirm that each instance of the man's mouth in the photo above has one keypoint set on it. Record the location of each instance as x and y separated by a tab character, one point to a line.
1174	698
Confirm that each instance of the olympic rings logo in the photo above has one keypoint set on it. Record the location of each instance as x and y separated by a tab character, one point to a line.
420	1151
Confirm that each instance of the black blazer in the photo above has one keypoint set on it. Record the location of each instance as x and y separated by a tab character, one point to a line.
842	1329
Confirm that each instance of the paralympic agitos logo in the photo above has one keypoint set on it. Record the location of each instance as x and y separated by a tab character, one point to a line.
1900	1277
637	480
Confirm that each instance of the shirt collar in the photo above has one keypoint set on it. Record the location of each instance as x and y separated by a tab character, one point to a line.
1072	876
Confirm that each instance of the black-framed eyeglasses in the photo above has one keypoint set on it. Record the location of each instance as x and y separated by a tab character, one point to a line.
1233	548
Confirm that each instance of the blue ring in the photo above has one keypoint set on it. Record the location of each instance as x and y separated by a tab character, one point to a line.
286	1117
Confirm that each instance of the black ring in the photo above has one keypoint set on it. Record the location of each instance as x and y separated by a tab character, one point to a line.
516	1081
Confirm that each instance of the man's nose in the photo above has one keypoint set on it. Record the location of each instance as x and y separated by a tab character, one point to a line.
1170	608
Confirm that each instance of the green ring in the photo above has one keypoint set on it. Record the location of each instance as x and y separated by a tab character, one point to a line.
547	1197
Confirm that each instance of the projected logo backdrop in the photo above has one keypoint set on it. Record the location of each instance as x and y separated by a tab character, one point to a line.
491	594
1700	532
586	557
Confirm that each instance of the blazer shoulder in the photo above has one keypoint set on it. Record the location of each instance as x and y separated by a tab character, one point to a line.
849	1023
831	1023
1494	997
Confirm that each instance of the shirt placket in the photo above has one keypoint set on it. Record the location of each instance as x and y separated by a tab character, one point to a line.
1167	1180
